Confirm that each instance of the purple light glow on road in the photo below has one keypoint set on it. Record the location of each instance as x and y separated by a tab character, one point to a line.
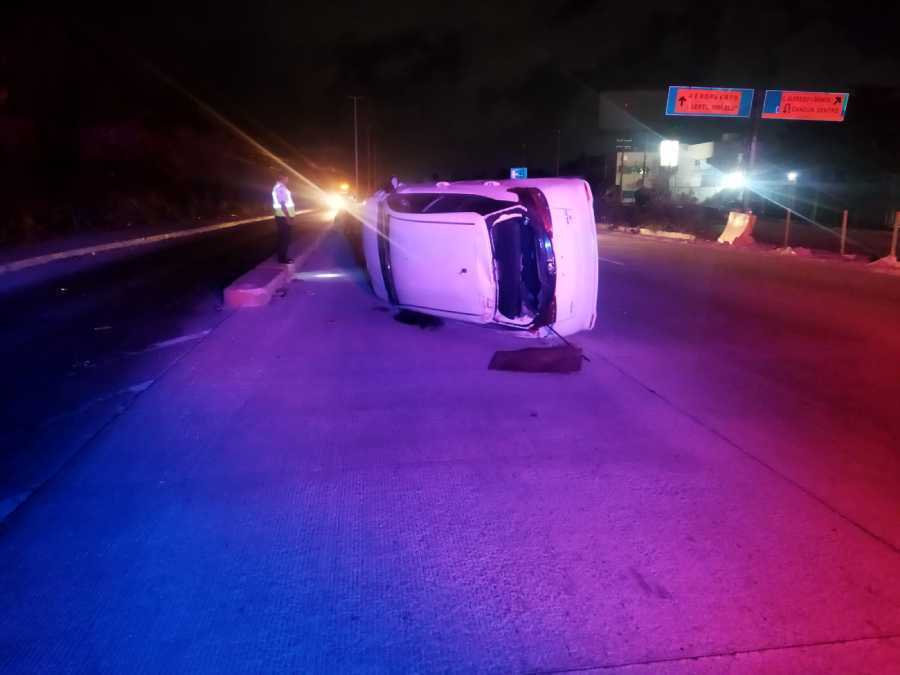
317	487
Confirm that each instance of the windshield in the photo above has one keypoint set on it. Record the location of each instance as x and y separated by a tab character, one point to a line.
525	269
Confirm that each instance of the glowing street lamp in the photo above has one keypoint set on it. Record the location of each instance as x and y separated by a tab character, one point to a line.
668	153
792	176
736	180
335	202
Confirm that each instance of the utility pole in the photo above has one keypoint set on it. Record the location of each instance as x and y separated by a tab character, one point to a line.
356	140
758	95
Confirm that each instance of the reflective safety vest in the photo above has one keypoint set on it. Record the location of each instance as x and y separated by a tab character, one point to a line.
281	195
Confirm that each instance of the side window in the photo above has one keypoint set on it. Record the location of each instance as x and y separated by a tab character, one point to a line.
409	203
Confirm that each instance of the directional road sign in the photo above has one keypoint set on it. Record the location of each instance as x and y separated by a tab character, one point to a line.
709	102
815	106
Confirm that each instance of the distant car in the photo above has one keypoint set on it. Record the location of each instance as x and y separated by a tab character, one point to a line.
516	253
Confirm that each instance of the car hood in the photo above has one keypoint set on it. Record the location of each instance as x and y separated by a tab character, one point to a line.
442	263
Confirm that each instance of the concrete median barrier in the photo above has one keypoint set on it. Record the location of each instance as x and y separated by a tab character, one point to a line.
664	234
256	287
738	229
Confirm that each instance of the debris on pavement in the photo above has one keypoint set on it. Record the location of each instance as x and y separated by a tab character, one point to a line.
423	321
562	359
796	250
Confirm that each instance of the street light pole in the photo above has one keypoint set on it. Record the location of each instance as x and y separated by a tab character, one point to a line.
369	177
356	140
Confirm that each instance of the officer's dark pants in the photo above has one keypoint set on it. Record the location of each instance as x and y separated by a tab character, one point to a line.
283	227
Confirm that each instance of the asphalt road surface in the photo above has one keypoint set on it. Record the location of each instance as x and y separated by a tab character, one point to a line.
317	487
81	339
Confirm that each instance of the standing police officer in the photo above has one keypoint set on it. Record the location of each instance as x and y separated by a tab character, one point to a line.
283	205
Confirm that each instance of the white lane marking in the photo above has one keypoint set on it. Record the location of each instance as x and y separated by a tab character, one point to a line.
137	388
131	389
173	341
611	261
128	243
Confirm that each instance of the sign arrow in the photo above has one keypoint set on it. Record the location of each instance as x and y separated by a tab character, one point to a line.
709	101
810	106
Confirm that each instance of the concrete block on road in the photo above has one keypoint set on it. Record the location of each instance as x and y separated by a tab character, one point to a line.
738	229
256	287
683	236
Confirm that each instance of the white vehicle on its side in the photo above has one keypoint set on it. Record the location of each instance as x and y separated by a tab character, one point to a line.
517	253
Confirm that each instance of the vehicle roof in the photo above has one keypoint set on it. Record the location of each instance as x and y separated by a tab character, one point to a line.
495	189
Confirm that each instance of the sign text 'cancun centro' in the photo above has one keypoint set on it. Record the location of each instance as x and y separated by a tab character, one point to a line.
814	106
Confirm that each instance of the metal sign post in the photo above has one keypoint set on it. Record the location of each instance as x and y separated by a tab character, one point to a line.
893	253
844	233
787	228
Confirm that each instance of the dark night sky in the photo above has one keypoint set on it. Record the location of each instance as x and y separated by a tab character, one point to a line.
470	86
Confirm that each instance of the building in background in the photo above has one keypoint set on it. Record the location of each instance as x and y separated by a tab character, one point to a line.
697	176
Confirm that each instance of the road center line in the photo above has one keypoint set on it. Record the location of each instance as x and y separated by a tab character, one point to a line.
610	260
173	341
